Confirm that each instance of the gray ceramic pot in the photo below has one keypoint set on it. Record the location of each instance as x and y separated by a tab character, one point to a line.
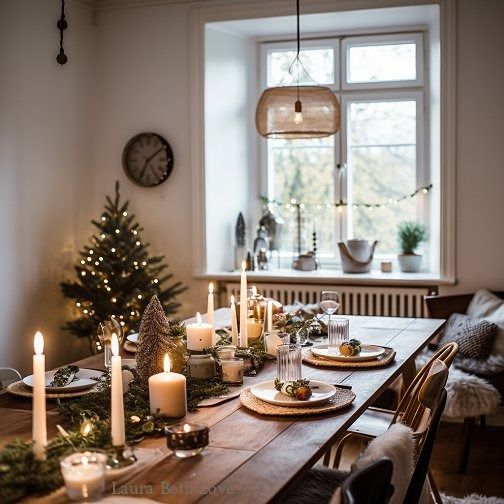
410	263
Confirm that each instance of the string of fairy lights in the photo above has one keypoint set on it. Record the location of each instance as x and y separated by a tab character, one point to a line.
293	205
90	264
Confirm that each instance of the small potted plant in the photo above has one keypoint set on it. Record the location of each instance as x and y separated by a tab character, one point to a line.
410	235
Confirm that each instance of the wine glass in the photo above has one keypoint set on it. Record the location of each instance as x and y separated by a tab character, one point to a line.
105	331
329	303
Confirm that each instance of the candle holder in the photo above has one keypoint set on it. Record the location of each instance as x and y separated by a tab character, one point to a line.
187	440
84	475
226	352
123	456
232	371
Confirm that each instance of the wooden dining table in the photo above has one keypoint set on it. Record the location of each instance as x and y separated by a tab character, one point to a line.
253	458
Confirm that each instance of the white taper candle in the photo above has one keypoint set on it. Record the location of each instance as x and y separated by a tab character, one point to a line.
243	307
117	404
39	425
234	322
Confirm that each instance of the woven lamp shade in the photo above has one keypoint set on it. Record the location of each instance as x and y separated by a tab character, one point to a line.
276	108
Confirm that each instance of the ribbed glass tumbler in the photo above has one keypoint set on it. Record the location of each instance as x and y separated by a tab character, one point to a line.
289	362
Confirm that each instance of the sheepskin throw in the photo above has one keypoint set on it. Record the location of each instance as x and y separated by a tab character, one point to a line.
491	366
398	445
488	306
474	337
468	395
471	499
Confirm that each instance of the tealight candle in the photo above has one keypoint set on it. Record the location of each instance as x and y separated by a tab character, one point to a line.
243	307
227	352
199	335
117	403
39	426
232	371
167	392
254	328
187	440
84	475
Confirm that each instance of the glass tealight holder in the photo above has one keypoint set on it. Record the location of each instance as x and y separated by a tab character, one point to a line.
226	352
187	440
84	475
232	371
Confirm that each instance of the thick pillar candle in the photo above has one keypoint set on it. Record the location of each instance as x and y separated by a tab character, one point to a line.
117	413
243	307
234	322
199	335
39	427
210	310
167	393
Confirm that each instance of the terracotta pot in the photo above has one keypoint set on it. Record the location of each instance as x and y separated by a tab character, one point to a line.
410	263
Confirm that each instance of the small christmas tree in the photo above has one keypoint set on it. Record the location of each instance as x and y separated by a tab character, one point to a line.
116	276
154	341
240	231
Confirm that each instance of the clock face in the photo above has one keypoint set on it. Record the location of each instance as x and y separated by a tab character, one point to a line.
147	159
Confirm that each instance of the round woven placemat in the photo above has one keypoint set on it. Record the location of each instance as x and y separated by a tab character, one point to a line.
383	360
20	389
342	399
130	347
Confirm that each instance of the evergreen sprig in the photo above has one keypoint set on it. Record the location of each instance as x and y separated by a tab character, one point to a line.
116	276
410	235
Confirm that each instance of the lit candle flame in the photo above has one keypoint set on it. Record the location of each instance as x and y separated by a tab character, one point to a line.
38	343
114	345
210	288
187	428
232	299
244	265
198	318
85	428
167	365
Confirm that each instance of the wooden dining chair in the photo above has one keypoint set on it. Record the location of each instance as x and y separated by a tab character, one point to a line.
410	411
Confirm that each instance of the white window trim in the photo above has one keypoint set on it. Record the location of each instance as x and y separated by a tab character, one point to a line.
416	38
229	10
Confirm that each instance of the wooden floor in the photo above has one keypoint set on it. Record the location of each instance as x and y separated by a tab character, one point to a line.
485	473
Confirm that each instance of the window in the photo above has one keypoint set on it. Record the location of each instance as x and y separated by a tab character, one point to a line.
358	183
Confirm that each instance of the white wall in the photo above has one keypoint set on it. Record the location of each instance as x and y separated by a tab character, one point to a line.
46	172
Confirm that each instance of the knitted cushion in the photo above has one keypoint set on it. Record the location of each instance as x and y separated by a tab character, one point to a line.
474	337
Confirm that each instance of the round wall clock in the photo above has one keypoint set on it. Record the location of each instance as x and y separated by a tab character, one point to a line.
147	159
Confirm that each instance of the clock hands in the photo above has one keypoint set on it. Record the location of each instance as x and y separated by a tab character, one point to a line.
147	161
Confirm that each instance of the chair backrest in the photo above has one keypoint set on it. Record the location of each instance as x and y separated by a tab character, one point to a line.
369	485
8	375
444	306
410	400
422	466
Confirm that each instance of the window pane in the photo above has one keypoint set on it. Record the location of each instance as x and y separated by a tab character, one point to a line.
379	63
303	171
316	63
382	168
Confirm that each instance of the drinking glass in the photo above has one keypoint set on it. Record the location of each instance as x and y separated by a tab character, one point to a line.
339	332
105	331
289	362
329	303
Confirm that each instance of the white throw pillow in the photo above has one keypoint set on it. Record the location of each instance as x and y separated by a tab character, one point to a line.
398	445
488	306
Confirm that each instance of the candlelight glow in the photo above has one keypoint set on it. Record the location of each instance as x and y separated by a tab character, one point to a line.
244	265
38	343
232	299
198	318
210	288
166	363
114	345
86	428
187	428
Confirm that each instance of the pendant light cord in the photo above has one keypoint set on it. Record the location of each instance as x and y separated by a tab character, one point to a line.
298	31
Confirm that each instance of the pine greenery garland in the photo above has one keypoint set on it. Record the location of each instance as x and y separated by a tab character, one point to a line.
116	276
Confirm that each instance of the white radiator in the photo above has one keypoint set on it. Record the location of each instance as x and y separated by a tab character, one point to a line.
354	300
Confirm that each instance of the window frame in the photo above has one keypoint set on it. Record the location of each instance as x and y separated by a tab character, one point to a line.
347	93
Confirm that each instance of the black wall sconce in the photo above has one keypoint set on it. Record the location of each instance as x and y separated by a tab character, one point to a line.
62	25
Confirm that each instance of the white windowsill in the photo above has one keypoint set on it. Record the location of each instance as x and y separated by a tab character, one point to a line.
331	276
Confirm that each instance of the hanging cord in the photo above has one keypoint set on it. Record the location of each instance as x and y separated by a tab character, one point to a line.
62	25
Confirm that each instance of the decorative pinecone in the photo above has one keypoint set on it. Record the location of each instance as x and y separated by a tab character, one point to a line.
154	341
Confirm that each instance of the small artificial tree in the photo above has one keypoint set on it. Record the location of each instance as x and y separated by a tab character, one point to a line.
116	277
410	235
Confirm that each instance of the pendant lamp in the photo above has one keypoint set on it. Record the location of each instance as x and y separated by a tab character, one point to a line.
297	111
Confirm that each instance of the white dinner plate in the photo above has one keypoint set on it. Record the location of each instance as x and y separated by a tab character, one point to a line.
367	353
132	338
267	392
83	382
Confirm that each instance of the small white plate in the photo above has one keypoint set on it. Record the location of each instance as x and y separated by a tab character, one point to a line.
132	338
83	382
267	392
367	353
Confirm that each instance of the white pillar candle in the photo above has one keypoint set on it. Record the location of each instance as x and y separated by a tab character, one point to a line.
199	335
234	322
39	426
269	317
167	392
117	413
243	308
210	310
